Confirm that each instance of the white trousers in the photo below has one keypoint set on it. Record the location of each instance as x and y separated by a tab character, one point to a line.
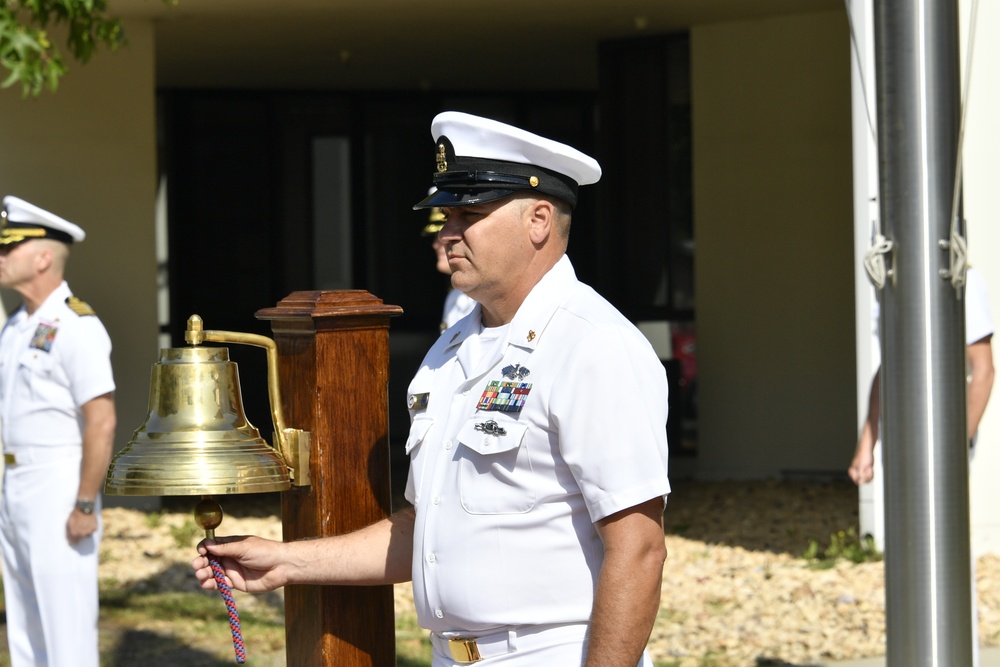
50	586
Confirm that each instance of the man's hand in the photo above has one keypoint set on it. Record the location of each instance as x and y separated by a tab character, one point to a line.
862	468
376	555
251	564
80	526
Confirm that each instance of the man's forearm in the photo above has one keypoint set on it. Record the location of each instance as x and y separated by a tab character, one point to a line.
625	607
979	357
627	598
98	444
378	554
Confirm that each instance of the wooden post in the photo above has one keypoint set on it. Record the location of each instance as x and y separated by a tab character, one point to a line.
333	360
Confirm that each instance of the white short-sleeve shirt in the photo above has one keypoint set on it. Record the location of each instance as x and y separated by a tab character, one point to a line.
518	444
51	363
978	323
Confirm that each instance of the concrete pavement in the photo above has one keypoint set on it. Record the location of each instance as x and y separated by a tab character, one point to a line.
988	657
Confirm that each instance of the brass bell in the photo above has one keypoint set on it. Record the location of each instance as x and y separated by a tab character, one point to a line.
196	439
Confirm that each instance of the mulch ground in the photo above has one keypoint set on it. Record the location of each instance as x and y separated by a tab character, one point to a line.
736	590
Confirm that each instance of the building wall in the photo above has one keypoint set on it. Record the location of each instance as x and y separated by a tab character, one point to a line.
774	237
772	160
88	154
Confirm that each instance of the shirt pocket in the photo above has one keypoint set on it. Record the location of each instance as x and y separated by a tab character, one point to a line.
495	467
35	369
418	431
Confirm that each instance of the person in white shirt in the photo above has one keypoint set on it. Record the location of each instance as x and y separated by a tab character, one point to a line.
457	304
57	415
980	375
538	449
979	360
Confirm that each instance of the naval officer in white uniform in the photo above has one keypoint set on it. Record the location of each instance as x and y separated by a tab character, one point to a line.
57	415
457	304
538	445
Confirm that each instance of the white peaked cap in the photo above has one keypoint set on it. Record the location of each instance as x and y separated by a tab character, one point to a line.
480	159
24	221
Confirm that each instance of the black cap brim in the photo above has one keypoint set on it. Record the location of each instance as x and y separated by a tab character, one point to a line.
445	198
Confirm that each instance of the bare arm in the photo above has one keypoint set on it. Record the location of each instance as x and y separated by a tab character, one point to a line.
628	589
981	371
862	468
378	554
99	423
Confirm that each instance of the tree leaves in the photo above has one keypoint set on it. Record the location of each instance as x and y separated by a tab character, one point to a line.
32	59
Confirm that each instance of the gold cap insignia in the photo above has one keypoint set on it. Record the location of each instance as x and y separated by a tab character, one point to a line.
442	158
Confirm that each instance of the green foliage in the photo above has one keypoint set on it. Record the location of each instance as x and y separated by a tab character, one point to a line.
844	544
185	533
30	56
413	648
170	627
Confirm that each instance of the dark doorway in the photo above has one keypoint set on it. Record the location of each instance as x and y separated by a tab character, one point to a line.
272	192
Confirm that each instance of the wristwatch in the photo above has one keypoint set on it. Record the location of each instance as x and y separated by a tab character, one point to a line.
85	506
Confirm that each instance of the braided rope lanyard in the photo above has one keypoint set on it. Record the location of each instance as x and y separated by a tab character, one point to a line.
234	616
208	515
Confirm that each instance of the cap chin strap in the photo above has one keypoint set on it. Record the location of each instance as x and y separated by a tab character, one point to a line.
467	179
13	232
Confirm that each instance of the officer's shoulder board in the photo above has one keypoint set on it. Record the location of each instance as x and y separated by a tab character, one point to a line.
80	307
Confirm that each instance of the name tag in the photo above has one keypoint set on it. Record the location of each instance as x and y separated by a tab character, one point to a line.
417	401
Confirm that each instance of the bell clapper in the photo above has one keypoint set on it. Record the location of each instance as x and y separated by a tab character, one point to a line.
208	515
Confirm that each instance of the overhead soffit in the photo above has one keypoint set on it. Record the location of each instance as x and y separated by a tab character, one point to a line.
407	45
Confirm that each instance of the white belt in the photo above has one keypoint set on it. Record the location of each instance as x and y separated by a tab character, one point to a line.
466	648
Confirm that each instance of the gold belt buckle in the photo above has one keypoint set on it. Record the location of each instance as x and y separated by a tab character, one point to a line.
9	459
464	650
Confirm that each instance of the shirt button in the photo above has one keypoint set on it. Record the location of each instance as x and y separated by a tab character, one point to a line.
447	444
439	613
431	558
437	500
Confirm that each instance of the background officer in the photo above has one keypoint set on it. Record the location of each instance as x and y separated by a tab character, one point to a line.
456	304
57	415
